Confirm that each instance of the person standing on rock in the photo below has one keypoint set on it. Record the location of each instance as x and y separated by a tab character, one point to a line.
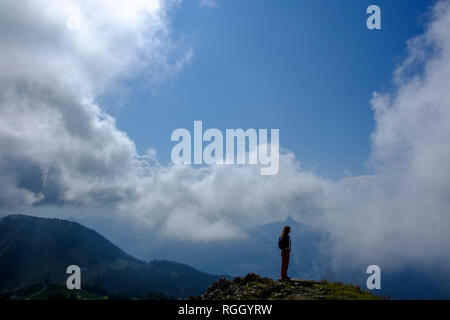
284	243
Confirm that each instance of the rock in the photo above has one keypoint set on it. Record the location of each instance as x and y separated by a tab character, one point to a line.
223	284
238	280
251	277
254	287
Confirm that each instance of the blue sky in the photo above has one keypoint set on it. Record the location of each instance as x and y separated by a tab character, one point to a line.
306	67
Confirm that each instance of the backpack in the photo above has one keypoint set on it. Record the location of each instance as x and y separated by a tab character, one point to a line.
280	243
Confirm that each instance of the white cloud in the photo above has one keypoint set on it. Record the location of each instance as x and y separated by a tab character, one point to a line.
216	202
402	215
58	148
56	144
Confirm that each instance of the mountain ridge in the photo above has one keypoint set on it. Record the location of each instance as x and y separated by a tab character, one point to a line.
35	249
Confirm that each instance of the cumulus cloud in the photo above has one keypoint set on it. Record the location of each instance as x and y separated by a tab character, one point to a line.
216	202
402	215
57	147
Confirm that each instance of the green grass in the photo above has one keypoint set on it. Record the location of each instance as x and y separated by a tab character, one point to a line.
55	291
340	291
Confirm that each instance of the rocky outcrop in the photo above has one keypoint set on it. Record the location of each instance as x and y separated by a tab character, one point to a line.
254	287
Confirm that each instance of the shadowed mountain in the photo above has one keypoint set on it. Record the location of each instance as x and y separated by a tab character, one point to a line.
36	249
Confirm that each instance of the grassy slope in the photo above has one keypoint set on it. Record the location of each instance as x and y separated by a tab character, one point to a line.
253	287
36	292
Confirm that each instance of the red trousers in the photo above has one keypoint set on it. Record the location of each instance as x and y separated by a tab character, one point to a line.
284	263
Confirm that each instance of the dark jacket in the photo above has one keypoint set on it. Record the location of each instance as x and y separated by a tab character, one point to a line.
284	243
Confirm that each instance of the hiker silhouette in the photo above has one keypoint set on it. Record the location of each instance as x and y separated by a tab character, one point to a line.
284	243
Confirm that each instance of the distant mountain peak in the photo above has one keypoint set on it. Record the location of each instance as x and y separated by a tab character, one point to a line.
289	219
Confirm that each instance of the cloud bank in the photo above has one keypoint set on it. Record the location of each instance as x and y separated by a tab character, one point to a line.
57	147
402	215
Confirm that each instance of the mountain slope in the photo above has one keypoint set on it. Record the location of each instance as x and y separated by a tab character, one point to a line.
32	249
36	249
169	278
50	292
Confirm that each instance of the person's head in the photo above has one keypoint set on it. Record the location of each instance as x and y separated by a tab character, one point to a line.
286	231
